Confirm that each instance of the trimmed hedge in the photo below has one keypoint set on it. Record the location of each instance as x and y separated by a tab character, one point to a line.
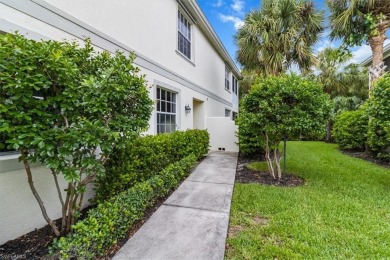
379	114
350	130
249	140
110	221
148	156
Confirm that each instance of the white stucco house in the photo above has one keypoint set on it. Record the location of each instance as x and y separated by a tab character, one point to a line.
192	78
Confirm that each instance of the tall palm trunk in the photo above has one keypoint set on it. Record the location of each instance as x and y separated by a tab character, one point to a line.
377	68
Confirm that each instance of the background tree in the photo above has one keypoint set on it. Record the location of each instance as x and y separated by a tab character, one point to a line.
283	107
329	65
361	21
68	108
278	35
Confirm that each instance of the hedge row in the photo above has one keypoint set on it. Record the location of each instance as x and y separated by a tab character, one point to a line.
368	127
148	156
110	221
350	130
378	111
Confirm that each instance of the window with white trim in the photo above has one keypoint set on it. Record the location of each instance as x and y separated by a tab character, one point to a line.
184	36
234	85
227	112
227	83
166	111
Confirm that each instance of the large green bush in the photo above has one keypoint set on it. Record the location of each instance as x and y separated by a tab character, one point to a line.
379	123
111	220
67	107
249	140
146	157
350	130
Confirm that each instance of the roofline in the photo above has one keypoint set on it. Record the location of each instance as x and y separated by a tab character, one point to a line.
386	53
195	10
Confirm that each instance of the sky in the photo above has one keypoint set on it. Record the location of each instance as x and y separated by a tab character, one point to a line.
226	16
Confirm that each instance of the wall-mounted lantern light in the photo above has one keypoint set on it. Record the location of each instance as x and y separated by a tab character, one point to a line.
187	108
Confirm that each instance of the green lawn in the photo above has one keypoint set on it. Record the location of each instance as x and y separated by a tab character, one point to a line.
342	211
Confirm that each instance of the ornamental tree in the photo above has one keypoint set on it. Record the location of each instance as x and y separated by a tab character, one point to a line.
67	107
282	108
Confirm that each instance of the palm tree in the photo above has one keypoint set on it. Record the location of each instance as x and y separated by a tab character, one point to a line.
355	78
328	64
279	35
361	21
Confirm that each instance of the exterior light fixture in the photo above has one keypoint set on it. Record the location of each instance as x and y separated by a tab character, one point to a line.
187	108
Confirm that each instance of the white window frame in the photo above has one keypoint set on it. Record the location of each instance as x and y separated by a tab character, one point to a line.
227	79
172	102
228	112
186	32
234	85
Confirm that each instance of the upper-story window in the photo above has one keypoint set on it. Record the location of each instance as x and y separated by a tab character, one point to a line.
234	85
227	83
184	36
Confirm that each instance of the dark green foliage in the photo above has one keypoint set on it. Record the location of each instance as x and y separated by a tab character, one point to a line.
112	219
350	130
68	104
379	114
249	139
146	157
287	106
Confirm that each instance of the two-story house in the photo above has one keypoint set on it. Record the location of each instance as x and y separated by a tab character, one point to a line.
192	78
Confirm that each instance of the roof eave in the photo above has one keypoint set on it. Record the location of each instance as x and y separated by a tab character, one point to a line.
202	22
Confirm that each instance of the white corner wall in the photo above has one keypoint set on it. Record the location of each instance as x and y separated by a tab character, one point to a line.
222	132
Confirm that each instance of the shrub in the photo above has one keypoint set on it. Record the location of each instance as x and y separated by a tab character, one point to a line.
284	107
350	130
111	219
249	140
379	113
66	103
146	157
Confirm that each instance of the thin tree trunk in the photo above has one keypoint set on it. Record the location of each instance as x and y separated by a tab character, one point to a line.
65	207
58	187
277	159
36	195
268	157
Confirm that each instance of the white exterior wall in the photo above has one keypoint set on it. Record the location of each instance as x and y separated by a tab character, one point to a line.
222	133
149	28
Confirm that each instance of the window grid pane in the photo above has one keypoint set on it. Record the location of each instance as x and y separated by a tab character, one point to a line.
184	36
166	111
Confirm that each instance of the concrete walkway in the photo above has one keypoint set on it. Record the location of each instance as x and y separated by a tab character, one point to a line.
193	222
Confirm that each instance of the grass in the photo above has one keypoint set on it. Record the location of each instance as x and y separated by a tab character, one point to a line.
342	211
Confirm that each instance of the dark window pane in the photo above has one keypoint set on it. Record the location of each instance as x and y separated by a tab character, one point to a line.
158	105
162	129
158	93
173	108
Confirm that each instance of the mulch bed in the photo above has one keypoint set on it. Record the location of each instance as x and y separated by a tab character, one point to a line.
35	245
369	158
245	175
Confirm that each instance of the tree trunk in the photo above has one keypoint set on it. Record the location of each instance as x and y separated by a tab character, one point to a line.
268	157
376	44
36	195
329	126
377	66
